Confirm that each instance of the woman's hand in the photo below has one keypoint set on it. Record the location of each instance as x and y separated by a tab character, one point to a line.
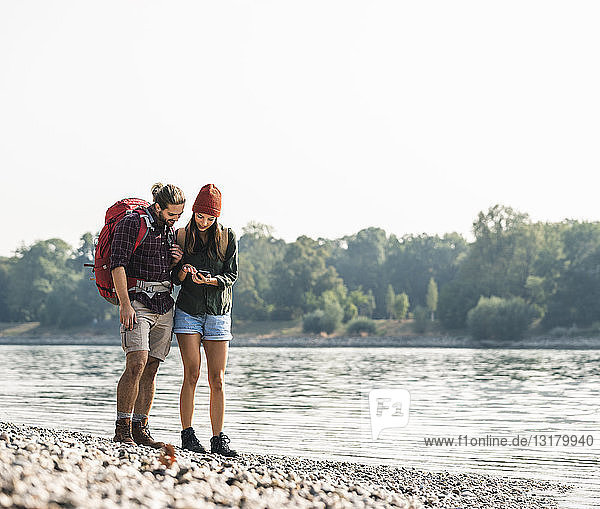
201	279
183	272
189	268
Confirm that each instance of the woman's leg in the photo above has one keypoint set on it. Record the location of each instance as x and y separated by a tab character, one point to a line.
216	359
189	346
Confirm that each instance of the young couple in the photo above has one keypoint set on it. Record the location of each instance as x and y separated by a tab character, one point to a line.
202	257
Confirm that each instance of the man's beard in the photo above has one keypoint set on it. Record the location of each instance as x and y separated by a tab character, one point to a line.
161	220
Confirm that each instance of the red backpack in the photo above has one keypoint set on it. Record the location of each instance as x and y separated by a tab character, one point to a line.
101	267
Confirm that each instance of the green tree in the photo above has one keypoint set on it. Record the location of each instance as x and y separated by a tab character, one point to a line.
365	303
432	297
576	299
390	301
85	251
362	325
6	313
455	300
401	305
496	318
329	303
259	253
249	304
498	263
36	270
502	256
350	312
414	259
47	282
327	318
300	276
360	261
420	319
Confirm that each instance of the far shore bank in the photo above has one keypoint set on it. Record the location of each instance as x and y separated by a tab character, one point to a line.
66	339
289	334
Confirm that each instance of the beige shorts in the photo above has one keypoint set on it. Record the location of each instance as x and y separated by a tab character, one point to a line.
152	332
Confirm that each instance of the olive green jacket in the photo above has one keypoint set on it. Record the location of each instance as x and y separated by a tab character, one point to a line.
197	299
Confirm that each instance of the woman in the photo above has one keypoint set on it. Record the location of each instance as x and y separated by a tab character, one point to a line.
206	272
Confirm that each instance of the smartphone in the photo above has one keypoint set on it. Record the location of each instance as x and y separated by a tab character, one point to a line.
205	273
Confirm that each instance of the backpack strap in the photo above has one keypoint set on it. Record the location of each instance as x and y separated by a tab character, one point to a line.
223	239
145	225
180	237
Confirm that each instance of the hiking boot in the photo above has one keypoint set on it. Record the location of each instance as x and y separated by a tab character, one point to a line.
141	434
123	432
190	442
219	445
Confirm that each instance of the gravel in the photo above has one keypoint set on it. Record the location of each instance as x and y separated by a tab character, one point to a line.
57	468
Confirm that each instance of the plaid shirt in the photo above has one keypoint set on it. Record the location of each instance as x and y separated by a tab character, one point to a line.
149	262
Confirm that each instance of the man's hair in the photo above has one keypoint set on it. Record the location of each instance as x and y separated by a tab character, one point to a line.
167	195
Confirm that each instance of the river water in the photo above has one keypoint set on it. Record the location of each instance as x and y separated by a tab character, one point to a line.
315	402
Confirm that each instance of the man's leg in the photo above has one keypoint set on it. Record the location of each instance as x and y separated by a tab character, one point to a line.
159	341
135	344
127	391
128	386
139	426
145	395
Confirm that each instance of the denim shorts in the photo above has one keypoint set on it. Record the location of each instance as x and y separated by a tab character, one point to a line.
210	327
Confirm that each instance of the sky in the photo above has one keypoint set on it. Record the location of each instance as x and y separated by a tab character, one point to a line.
315	117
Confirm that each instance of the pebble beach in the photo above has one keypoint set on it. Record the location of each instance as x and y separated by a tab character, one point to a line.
57	468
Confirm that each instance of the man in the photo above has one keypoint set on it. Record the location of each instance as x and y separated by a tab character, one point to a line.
146	309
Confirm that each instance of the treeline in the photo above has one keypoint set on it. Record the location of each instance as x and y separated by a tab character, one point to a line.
46	282
515	273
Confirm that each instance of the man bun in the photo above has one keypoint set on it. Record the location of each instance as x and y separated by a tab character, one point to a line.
166	195
156	189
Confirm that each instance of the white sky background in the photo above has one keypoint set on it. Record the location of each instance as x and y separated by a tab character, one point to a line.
316	117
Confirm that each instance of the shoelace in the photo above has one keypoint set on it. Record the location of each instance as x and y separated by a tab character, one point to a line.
195	441
224	439
146	431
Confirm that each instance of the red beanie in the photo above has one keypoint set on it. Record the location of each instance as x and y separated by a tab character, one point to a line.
208	201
